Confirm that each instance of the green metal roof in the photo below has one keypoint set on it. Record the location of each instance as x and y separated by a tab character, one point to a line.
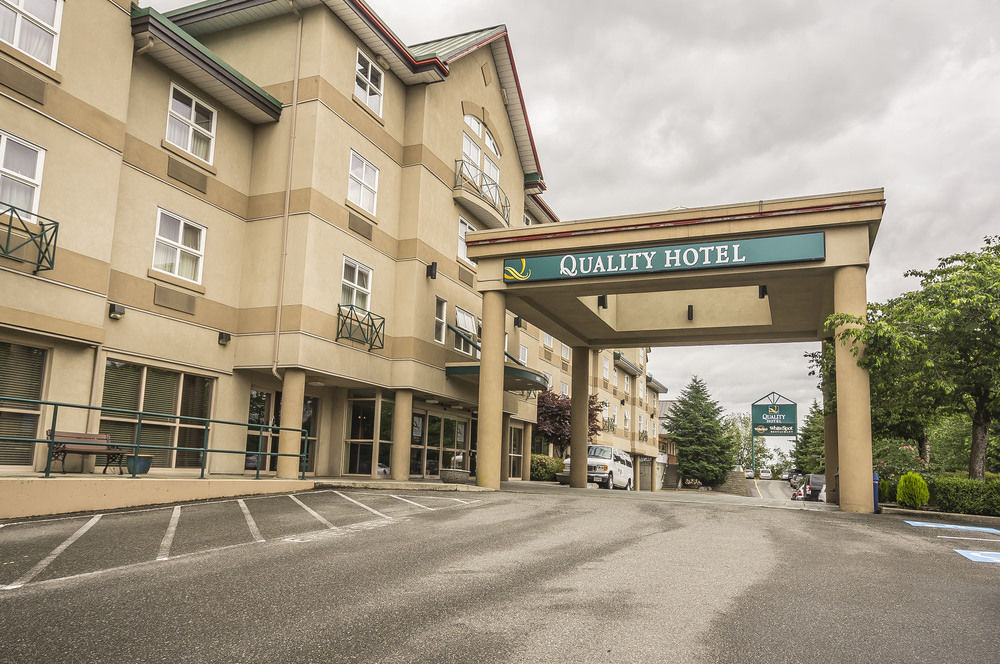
220	77
446	48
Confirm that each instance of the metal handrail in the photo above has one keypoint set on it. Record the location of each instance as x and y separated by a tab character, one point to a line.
461	333
608	424
44	239
359	324
158	419
486	187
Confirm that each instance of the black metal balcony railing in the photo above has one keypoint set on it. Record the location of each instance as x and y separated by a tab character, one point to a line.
472	342
643	436
609	424
361	325
27	237
469	177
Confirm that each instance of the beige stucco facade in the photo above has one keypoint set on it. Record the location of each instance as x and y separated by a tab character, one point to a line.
263	210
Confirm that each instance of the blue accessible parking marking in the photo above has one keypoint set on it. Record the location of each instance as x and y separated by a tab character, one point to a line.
981	556
951	526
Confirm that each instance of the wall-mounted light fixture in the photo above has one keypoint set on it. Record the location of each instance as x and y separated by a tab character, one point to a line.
116	311
761	291
602	301
224	338
517	321
690	312
623	402
432	270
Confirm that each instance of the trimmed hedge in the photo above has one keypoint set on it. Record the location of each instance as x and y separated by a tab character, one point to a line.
965	496
544	468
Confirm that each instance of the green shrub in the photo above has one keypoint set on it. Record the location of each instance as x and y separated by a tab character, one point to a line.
887	490
912	491
961	495
544	468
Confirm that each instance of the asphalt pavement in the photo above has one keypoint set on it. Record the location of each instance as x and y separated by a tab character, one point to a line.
533	573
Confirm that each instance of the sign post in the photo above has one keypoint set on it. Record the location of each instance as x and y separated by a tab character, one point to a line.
772	415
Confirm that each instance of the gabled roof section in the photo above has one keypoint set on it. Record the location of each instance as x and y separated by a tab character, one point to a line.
179	52
537	206
422	63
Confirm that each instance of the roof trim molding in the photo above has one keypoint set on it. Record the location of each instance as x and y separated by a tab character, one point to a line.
246	98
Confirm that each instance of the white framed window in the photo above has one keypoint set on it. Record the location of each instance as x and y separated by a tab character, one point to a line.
362	183
547	340
368	82
522	354
491	142
32	27
628	419
642	387
614	375
491	180
604	410
356	287
628	383
464	228
565	352
440	318
506	342
479	328
564	389
614	412
471	159
467	323
548	380
180	246
475	124
191	124
606	368
20	172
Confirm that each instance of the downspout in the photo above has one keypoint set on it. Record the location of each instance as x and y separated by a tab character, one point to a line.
145	47
288	191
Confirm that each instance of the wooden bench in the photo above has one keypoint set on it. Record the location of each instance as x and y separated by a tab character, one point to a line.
71	442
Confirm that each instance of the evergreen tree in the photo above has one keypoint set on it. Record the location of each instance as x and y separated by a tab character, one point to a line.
703	451
809	452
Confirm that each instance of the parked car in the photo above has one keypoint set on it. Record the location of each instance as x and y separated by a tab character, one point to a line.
797	494
812	485
795	479
749	474
765	473
606	465
786	475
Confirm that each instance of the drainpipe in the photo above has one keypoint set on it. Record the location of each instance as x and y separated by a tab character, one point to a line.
288	191
145	47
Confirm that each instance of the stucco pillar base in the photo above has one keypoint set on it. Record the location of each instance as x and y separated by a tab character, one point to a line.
293	390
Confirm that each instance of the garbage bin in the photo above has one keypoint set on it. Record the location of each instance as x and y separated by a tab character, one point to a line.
878	510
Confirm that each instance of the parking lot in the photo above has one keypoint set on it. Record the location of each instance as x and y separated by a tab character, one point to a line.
45	550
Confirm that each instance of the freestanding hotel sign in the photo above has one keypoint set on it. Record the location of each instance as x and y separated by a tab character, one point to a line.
669	258
776	416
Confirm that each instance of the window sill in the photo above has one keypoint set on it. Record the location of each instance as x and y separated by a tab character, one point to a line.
30	62
175	281
364	107
188	157
354	207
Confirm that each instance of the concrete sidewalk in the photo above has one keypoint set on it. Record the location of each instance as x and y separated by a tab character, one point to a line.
30	494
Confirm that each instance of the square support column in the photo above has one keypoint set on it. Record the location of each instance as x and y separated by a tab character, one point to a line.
830	434
579	417
293	392
491	391
526	445
402	424
854	417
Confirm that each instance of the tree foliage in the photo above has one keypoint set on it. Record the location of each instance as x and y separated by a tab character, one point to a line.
736	429
936	350
703	451
809	453
553	417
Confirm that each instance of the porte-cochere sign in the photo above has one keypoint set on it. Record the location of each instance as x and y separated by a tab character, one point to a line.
646	260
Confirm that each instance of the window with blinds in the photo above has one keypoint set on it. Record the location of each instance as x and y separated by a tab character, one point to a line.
167	400
22	369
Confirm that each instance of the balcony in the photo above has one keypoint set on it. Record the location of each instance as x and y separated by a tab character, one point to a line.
516	376
361	325
28	238
608	424
480	195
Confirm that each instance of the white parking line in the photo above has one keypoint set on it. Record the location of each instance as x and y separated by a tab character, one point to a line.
34	571
976	539
370	509
429	509
254	532
168	537
318	516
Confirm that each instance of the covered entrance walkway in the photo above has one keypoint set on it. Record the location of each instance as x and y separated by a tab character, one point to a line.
759	272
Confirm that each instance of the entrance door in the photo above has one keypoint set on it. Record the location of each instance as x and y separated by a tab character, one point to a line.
265	410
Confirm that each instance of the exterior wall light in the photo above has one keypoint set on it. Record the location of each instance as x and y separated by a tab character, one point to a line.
116	311
690	312
432	270
224	338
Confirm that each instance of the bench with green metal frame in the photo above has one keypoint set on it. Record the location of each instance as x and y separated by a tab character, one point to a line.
70	442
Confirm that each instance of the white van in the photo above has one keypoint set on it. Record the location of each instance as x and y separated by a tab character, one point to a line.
607	466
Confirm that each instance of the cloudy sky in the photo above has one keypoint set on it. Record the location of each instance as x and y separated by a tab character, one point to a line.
649	105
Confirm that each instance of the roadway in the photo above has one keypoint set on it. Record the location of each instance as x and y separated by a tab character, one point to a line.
534	573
